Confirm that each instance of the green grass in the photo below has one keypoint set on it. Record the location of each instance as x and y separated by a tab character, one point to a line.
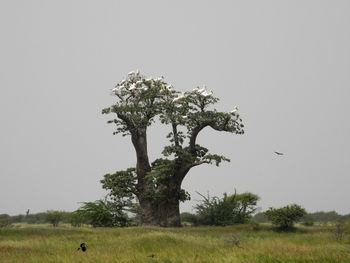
45	244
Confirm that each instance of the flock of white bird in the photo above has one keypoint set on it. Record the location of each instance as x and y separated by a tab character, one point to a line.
137	84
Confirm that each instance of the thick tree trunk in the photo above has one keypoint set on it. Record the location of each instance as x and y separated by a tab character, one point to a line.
161	214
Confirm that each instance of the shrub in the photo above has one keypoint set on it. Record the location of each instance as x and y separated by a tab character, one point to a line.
233	209
340	229
254	225
285	217
77	219
54	217
103	213
189	218
260	218
5	222
308	223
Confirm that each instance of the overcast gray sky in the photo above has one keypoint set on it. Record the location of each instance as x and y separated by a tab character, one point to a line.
286	64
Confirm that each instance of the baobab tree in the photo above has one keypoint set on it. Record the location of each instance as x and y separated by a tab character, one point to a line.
140	101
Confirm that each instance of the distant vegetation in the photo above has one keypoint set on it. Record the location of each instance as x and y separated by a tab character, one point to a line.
210	211
319	217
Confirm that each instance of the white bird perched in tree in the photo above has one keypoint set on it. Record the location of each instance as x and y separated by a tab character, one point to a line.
144	87
132	87
179	97
201	90
235	109
117	89
206	93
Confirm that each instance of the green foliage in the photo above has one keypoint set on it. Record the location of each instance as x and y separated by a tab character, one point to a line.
54	217
260	218
38	218
103	213
285	217
77	219
121	184
189	218
233	209
4	216
308	223
136	214
122	190
322	216
254	225
17	218
339	230
5	222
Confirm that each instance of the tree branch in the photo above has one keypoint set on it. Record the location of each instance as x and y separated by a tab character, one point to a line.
195	133
175	134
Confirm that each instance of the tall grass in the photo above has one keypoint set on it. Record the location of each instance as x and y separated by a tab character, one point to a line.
45	244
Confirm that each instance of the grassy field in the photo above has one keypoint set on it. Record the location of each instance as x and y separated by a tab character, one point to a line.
45	244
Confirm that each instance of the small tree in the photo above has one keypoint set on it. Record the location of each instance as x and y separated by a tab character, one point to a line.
245	206
77	219
233	209
5	222
54	217
285	217
103	213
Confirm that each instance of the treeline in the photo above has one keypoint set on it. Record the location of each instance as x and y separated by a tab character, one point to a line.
101	213
317	217
210	211
38	218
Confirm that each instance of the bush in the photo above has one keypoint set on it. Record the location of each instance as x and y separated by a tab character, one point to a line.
38	218
233	209
254	225
341	229
285	217
77	219
308	223
260	218
189	218
5	222
54	217
103	213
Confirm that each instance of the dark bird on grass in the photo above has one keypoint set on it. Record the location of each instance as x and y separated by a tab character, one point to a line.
83	247
151	256
278	153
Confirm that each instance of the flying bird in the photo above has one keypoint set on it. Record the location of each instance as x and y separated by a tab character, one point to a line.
83	247
278	153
